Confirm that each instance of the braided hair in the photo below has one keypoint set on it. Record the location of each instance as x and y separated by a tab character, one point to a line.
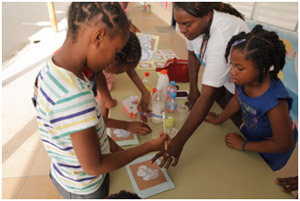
262	47
201	9
92	13
131	52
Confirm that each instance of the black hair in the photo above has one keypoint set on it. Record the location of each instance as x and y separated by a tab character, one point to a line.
262	47
89	13
124	195
131	52
201	9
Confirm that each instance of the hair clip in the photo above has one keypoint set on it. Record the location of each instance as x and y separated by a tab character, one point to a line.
238	42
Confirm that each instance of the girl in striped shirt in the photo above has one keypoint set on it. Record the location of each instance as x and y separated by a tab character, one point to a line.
69	121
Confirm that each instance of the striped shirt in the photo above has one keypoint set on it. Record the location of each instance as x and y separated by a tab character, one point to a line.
65	104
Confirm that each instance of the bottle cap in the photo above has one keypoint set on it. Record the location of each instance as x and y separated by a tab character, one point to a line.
173	95
154	90
172	83
146	74
164	71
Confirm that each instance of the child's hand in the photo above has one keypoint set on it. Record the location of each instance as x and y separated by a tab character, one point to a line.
143	105
234	140
213	118
138	128
111	103
159	143
114	147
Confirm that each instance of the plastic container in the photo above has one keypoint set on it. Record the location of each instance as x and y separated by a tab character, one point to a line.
163	82
182	110
147	82
172	103
171	89
158	105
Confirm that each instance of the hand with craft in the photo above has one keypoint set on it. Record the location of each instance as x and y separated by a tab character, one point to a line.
171	155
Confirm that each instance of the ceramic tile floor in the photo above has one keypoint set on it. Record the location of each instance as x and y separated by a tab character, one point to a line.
25	163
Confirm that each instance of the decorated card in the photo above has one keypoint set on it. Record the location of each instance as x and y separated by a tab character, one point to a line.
149	45
148	179
161	57
123	137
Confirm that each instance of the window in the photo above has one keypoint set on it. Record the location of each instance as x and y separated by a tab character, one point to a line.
280	14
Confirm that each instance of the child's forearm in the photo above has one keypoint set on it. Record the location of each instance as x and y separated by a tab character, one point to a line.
266	146
114	123
232	107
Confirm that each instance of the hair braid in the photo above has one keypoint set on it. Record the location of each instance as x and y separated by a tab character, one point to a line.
263	47
200	9
131	52
89	13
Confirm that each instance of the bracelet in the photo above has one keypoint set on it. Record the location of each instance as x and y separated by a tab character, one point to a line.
243	145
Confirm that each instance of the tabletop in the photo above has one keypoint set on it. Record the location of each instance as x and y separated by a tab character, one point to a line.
207	168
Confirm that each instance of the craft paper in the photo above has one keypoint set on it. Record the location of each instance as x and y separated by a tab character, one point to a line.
148	179
123	137
149	45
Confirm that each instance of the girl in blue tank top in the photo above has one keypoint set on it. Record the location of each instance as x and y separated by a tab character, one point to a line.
256	58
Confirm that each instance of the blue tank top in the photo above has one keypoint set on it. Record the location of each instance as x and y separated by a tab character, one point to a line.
256	123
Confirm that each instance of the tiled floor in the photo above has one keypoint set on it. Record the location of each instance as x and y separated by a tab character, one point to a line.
25	163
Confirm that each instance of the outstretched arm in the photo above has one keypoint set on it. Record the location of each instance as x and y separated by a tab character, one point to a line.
195	118
231	108
143	105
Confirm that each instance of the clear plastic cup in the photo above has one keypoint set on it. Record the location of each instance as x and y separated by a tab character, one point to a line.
182	110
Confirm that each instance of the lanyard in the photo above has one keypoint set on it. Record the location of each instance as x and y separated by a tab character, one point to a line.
205	41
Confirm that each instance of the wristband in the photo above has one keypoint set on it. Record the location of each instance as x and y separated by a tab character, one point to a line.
243	145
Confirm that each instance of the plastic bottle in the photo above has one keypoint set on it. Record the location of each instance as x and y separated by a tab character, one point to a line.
158	105
163	83
172	103
147	82
171	89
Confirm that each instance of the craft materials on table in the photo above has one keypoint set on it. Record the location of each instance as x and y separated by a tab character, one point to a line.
149	45
123	137
130	106
148	179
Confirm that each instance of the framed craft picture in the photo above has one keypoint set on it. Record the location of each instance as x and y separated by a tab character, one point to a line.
148	179
123	137
149	45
